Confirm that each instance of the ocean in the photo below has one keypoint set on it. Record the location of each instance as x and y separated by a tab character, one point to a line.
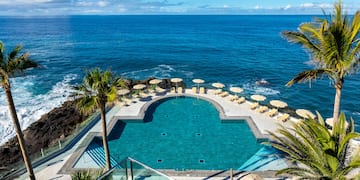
234	50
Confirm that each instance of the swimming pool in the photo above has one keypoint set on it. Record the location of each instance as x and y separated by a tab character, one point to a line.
183	133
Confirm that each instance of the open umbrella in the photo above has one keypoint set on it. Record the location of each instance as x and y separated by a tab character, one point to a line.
198	81
122	92
176	80
278	103
236	90
218	85
155	81
305	113
258	97
139	86
330	122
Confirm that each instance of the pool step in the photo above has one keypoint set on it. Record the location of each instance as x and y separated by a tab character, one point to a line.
97	154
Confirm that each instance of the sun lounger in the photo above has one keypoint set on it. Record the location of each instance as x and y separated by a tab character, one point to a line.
262	109
254	105
144	95
193	90
180	90
172	90
272	112
284	117
217	92
224	94
160	90
240	100
202	90
233	97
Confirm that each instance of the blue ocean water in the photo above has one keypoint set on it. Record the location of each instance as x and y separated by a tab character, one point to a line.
234	50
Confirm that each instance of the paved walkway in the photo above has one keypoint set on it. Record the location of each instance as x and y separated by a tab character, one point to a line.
230	109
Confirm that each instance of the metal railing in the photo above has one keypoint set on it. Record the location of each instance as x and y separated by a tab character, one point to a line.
132	169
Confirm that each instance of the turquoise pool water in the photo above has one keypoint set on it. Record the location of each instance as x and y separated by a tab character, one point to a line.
184	133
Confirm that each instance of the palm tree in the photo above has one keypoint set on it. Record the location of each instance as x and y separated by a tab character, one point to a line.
319	153
10	65
98	89
334	47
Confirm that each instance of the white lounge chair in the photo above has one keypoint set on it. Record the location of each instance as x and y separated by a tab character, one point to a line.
240	100
253	106
202	90
193	90
284	117
272	112
180	90
262	109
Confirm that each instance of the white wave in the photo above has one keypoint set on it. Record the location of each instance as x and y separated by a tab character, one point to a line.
31	107
257	89
160	71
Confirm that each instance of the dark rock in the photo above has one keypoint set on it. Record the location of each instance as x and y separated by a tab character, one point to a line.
51	127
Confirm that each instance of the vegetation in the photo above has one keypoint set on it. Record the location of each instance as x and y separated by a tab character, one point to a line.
85	175
10	64
334	45
98	89
319	153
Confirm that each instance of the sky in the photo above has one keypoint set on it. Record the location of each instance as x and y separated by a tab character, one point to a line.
187	7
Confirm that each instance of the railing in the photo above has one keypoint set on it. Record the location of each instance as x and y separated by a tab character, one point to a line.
55	150
132	169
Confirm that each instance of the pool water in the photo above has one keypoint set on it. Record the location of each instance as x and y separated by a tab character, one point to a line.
184	133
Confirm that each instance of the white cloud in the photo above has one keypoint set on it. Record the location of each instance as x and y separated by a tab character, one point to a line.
102	3
83	3
307	5
287	7
225	6
257	7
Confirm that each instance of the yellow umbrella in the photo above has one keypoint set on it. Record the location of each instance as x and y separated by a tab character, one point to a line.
278	103
236	90
330	122
218	85
258	97
155	81
123	92
198	81
139	86
176	80
305	113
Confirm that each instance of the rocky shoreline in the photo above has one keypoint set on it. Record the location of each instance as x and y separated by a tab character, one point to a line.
50	128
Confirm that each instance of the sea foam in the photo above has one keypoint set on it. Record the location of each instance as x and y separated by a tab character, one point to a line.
31	107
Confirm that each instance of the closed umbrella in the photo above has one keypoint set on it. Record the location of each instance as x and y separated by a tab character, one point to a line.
304	113
258	97
278	103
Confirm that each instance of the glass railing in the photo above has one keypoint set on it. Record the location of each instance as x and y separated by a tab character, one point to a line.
132	169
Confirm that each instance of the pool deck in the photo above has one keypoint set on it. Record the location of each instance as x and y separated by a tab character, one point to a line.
259	123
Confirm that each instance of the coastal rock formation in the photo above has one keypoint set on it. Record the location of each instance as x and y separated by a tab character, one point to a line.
51	127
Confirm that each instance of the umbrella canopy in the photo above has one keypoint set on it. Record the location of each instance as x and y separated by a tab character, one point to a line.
155	81
236	90
330	122
305	113
198	81
258	97
218	85
278	103
122	91
139	86
175	80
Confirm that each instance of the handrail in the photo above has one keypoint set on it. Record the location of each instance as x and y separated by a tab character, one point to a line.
137	162
147	167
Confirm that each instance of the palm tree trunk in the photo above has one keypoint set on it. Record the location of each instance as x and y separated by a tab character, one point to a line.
19	134
338	88
104	137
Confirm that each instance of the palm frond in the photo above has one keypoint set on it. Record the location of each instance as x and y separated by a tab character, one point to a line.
309	75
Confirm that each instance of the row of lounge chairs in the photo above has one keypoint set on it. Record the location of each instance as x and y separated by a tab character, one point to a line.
271	113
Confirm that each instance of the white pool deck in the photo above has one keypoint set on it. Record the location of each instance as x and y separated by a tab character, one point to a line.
262	122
